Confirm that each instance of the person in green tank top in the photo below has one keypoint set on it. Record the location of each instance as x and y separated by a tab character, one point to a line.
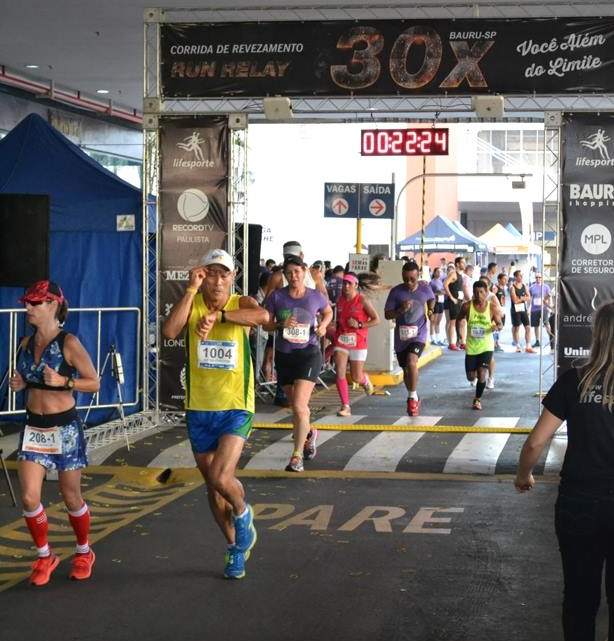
483	318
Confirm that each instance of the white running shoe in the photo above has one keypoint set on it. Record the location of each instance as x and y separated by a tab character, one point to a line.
490	383
473	383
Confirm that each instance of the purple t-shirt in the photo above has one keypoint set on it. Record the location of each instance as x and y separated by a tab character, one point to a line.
411	326
537	296
437	286
304	310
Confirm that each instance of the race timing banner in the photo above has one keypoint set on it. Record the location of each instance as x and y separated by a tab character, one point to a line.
387	57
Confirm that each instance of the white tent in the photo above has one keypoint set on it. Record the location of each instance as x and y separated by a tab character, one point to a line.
504	242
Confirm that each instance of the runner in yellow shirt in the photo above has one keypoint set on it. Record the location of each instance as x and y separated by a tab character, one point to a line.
483	318
219	393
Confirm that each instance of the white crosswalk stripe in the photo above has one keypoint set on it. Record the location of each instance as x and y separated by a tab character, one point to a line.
497	421
383	452
476	454
277	455
333	419
556	454
419	421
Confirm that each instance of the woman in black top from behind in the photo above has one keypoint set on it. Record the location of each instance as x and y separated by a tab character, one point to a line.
584	511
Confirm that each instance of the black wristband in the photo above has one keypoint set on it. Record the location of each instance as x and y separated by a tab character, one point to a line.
223	319
359	325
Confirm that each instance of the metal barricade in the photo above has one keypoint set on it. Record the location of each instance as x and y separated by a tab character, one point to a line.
98	355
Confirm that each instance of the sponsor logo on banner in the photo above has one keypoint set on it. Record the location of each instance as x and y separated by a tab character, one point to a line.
596	141
596	239
193	144
591	194
575	352
192	205
193	212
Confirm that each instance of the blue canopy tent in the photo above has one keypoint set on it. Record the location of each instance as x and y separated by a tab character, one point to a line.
512	230
443	235
96	265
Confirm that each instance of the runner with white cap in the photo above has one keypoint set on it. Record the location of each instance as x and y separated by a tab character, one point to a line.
219	393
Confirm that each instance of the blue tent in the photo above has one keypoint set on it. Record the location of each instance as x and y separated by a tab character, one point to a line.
443	235
512	230
95	264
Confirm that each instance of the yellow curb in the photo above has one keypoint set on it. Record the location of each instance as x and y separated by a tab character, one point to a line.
401	428
395	377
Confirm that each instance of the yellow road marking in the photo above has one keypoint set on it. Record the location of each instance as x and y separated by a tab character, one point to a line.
136	487
401	428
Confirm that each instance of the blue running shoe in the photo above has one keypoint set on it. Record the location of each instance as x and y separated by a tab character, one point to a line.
245	532
235	563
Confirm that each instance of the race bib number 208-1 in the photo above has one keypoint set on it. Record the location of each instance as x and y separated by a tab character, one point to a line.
42	440
217	354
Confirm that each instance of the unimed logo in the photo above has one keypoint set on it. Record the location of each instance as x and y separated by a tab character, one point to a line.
596	239
573	352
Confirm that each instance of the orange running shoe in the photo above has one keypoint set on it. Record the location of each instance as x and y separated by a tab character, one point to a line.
42	569
82	566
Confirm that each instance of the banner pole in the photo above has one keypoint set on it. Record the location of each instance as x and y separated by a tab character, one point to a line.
358	235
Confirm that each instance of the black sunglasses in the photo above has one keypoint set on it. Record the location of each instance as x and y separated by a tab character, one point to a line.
35	303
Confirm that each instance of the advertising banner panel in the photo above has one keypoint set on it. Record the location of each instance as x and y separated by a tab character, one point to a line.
587	258
193	218
387	57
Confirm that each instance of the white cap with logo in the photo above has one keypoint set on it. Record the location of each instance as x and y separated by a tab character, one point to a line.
218	257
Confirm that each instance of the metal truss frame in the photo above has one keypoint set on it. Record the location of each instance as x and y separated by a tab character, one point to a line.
458	108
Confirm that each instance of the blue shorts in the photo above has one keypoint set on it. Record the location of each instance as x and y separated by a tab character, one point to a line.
74	448
206	428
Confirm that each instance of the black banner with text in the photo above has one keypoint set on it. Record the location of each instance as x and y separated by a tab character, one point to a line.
388	57
194	219
587	254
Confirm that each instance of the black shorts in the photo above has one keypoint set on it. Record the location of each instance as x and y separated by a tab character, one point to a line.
473	363
536	316
412	348
300	364
520	318
269	341
438	309
455	309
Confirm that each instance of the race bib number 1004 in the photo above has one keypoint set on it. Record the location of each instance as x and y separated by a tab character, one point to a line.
217	354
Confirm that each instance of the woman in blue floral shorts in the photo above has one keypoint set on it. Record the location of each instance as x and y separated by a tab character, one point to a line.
53	438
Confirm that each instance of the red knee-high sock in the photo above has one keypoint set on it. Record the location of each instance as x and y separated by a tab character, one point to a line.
37	524
80	521
344	392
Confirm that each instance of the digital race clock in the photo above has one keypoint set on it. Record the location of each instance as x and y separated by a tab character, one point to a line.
404	142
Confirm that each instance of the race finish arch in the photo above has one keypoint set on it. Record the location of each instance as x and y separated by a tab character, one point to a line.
209	73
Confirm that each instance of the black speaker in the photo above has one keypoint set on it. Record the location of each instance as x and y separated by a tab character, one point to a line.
24	239
254	239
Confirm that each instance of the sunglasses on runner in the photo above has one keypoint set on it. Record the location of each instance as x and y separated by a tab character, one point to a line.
35	303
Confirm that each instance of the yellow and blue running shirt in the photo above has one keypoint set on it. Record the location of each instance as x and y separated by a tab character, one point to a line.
219	370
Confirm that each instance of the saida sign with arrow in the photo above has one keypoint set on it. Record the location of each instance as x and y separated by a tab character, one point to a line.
359	200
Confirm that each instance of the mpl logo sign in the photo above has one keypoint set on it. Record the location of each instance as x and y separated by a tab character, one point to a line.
193	144
597	141
596	239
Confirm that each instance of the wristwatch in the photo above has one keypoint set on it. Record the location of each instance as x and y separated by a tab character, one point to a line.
359	325
70	382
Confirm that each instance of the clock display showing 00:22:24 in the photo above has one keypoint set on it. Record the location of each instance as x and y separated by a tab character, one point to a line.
404	142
